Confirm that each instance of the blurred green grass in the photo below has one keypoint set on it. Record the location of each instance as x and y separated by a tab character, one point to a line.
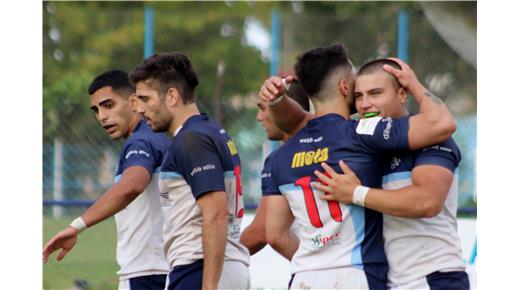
93	258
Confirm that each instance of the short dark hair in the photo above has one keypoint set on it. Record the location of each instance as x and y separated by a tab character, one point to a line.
377	65
315	65
169	69
297	93
116	79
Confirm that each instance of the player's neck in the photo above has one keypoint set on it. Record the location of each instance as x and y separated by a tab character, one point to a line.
184	113
133	123
337	106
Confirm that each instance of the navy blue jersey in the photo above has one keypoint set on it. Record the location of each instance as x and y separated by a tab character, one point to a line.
418	247
140	242
143	148
333	234
268	187
201	159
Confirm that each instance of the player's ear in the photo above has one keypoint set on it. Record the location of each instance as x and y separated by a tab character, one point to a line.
172	97
133	102
344	87
401	94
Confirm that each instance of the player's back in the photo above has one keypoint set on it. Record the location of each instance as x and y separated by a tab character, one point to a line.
202	158
139	226
331	234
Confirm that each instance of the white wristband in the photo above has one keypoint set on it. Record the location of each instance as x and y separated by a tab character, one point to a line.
276	101
360	193
78	224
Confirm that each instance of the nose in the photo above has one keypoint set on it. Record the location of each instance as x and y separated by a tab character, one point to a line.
139	108
365	103
102	116
259	116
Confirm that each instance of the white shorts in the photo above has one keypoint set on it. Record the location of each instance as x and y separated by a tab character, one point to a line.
235	275
339	278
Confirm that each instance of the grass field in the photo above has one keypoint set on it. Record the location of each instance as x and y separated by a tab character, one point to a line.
93	258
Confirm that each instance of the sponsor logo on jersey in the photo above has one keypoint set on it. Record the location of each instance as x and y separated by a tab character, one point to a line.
265	175
395	162
165	199
437	147
386	131
140	152
311	140
203	168
306	158
367	126
232	147
320	241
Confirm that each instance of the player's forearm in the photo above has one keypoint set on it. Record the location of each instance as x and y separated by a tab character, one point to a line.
288	116
408	202
253	238
434	122
285	243
214	239
111	202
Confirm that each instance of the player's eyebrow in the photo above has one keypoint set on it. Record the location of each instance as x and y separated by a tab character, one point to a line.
105	101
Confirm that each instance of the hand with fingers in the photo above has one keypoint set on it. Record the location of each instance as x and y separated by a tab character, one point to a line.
273	88
405	75
64	240
338	187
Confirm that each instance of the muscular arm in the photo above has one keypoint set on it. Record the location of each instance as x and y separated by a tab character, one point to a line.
253	237
278	227
214	209
423	198
132	183
434	123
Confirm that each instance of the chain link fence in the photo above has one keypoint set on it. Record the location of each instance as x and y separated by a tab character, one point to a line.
228	44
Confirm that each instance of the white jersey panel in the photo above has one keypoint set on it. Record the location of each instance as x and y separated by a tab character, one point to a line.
139	235
323	229
418	247
183	224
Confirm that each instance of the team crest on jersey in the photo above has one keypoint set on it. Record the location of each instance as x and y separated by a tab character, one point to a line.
306	158
320	241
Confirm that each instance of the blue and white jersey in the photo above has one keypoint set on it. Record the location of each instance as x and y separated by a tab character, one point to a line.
201	159
139	225
421	246
334	234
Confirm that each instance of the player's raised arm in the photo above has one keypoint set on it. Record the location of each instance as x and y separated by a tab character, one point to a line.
287	114
132	183
434	123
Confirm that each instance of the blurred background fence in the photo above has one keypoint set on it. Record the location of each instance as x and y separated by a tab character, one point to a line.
234	46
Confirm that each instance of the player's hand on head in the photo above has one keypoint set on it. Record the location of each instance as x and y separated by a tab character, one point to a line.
405	75
64	240
273	87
